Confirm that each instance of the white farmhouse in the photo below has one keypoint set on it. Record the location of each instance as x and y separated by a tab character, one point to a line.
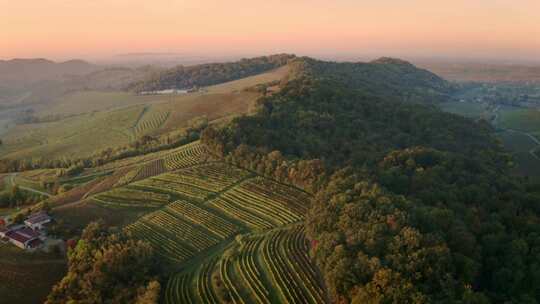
36	221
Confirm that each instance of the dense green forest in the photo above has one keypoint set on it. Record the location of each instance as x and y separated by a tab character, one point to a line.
411	205
385	77
186	77
105	266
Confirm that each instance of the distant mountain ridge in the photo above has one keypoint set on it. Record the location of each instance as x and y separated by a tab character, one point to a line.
26	71
183	77
390	76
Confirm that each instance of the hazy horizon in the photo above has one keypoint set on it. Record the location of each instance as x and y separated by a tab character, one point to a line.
60	30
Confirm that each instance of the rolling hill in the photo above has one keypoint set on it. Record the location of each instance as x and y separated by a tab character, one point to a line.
98	120
405	195
186	77
314	182
19	72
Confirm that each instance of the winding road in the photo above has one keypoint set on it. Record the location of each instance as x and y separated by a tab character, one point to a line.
12	181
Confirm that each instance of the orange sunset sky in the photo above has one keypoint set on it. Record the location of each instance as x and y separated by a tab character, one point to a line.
93	29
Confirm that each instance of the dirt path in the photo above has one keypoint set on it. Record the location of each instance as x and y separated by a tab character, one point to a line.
12	181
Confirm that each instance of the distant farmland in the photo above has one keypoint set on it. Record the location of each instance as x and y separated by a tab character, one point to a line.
99	120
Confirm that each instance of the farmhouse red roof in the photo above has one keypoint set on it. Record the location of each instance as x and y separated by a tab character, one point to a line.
38	218
22	235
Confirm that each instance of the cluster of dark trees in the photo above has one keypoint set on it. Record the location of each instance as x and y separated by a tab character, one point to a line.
14	197
108	267
411	205
186	77
385	77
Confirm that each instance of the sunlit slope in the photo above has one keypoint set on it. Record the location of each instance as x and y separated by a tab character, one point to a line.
226	232
80	135
110	120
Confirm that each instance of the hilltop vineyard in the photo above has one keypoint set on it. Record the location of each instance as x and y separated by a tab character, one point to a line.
170	185
213	177
234	210
269	268
175	237
207	219
188	155
151	169
151	122
132	197
243	230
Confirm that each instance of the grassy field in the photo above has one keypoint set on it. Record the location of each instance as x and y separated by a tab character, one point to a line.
516	141
520	145
478	72
513	124
240	84
526	120
467	109
80	135
90	101
20	271
123	117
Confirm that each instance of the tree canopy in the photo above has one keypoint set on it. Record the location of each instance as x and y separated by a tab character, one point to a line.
186	77
106	267
411	205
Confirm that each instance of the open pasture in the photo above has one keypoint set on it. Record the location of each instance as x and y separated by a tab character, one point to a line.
80	135
92	101
525	120
20	269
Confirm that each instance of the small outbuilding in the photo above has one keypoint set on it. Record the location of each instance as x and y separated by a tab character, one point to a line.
38	220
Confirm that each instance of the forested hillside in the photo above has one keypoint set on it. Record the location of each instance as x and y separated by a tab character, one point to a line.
411	205
186	77
385	77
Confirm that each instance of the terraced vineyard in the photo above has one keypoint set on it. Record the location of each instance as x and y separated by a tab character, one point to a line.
213	177
151	169
261	206
209	220
169	185
151	121
235	210
268	268
131	197
197	182
128	177
180	236
243	230
188	155
284	255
